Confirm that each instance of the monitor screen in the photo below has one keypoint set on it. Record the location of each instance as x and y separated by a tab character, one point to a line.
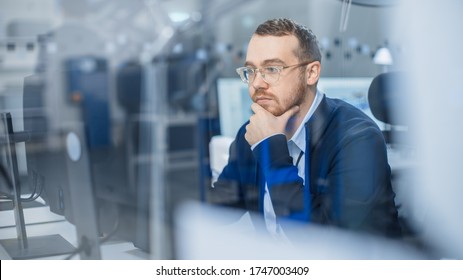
234	105
351	90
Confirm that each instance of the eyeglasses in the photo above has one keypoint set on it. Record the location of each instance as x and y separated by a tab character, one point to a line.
270	74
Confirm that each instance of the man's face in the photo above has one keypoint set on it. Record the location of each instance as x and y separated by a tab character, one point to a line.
291	88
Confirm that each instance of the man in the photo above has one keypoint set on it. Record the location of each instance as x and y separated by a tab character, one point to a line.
302	155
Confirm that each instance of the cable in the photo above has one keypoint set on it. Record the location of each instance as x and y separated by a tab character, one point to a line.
84	244
345	10
33	196
35	193
111	233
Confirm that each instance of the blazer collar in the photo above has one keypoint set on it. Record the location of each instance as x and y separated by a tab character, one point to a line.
318	123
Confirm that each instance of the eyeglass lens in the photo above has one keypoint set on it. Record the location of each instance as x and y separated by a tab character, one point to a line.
269	75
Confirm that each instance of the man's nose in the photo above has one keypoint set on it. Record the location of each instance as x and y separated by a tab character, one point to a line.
259	81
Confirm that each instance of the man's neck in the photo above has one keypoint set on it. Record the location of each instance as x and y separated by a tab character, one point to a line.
296	120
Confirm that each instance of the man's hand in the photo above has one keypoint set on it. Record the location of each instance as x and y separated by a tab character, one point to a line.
264	124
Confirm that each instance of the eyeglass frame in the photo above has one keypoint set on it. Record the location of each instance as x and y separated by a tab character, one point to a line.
240	72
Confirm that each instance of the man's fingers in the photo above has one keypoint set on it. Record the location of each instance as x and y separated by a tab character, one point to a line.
256	108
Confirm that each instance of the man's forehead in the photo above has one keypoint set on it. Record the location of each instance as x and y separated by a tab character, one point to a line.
288	39
265	48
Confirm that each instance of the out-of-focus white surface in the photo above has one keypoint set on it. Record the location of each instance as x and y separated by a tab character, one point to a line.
207	232
434	40
219	153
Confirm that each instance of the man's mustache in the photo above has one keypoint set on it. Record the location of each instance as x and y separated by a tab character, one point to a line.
262	93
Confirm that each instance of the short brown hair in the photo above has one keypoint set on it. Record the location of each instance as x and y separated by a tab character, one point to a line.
309	49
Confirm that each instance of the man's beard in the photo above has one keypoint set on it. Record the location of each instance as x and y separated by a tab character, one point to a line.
296	98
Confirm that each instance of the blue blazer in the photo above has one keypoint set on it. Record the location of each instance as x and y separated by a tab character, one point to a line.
347	167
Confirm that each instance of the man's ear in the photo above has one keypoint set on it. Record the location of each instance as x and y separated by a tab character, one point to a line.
313	72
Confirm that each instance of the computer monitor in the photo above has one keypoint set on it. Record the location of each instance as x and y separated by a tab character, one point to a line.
43	155
353	90
87	107
234	105
23	246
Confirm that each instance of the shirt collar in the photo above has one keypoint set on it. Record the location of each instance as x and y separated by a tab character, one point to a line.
299	136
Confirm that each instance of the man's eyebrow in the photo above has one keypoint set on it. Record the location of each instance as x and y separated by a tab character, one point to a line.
247	63
271	61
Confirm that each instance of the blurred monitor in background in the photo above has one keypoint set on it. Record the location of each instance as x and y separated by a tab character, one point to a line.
112	143
234	105
352	90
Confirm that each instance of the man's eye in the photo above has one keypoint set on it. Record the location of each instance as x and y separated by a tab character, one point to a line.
272	70
249	71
